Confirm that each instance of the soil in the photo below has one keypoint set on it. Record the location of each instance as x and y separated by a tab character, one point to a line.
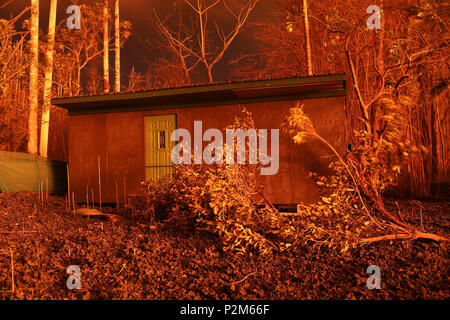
129	259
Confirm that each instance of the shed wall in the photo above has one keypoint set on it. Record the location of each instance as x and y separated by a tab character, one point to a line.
118	139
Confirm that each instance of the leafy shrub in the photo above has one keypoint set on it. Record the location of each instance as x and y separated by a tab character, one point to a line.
351	207
222	199
219	199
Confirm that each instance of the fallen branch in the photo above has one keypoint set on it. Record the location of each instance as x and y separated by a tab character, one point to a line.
242	280
411	236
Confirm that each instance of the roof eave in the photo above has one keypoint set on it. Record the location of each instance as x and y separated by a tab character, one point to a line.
219	94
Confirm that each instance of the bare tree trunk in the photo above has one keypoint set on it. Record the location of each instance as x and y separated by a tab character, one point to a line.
380	57
308	43
105	46
34	78
117	46
45	123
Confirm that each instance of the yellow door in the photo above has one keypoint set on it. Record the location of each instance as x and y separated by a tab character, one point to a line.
158	147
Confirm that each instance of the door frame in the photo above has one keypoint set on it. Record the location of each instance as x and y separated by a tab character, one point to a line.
145	135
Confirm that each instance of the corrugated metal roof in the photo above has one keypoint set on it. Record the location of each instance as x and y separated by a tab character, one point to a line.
210	94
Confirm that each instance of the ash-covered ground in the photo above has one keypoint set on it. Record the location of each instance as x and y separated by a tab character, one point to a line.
131	260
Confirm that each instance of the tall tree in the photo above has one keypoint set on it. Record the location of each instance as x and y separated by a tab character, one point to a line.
79	55
43	146
282	44
117	46
197	45
34	85
105	46
308	43
14	83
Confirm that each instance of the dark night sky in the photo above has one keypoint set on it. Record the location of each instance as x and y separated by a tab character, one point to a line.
140	13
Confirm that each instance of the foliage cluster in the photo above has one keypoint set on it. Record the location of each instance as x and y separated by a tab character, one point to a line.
228	201
351	207
222	199
13	87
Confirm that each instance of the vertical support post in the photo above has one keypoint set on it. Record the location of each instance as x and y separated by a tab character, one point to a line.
68	187
99	184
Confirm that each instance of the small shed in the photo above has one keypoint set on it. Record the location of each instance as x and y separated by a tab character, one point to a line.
123	132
